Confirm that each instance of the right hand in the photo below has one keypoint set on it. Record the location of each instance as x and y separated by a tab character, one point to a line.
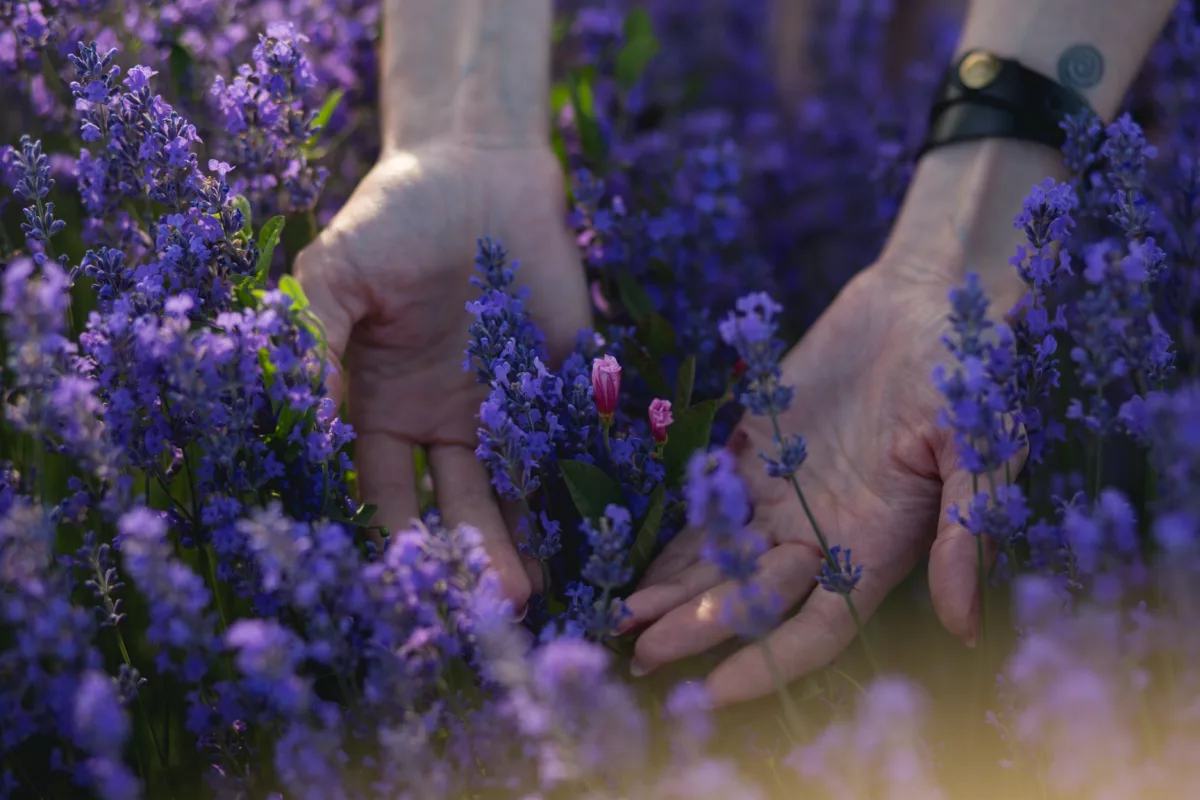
390	279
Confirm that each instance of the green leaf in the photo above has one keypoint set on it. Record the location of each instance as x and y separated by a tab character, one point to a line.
633	296
292	288
560	95
301	228
641	46
559	31
242	204
181	66
592	490
657	335
639	358
647	535
322	118
691	431
361	519
364	515
268	237
583	102
684	382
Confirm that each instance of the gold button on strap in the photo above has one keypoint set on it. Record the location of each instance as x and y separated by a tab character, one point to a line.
978	69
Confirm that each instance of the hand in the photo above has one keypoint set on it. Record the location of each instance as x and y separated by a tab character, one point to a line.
879	477
390	279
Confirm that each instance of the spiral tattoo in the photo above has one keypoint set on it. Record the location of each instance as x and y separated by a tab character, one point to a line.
1080	66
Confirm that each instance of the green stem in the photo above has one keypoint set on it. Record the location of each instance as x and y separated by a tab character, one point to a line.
824	543
862	637
211	569
39	458
795	722
162	760
848	679
19	768
982	570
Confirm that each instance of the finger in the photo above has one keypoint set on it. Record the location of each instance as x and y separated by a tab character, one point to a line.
648	604
954	560
684	550
573	306
387	478
788	571
681	552
334	299
513	512
465	497
810	640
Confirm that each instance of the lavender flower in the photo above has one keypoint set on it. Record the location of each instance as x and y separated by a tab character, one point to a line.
1046	220
1003	516
979	392
610	538
34	184
885	731
717	503
751	330
263	111
180	622
843	576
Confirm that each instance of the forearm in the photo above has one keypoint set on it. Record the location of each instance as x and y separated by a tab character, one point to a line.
477	71
963	198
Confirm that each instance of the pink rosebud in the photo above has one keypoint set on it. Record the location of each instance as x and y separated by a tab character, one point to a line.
660	418
606	385
599	300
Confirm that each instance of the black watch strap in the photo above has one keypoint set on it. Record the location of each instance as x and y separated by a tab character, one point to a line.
984	96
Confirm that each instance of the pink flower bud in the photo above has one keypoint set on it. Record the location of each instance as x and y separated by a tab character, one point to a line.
599	300
606	385
660	418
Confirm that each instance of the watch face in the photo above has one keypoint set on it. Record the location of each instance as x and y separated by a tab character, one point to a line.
978	69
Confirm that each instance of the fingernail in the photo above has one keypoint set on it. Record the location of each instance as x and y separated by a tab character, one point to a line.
519	616
738	441
637	669
626	625
971	640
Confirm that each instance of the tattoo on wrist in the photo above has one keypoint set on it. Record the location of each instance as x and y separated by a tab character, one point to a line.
1080	66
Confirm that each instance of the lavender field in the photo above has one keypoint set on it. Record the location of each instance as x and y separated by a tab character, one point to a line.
386	415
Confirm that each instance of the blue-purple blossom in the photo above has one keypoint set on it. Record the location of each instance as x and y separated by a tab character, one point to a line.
34	184
181	623
839	574
610	537
1046	221
979	389
1126	153
879	751
268	126
792	453
718	505
1119	340
752	330
1002	516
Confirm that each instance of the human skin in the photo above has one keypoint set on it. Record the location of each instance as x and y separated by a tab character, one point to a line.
880	473
466	153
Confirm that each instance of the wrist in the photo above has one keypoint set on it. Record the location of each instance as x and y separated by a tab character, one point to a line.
476	72
957	215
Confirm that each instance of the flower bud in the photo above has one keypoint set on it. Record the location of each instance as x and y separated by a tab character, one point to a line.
606	386
660	418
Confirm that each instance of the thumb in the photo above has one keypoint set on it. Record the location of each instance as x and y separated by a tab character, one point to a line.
955	559
334	298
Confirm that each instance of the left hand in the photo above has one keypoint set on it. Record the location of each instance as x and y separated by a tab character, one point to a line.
879	477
